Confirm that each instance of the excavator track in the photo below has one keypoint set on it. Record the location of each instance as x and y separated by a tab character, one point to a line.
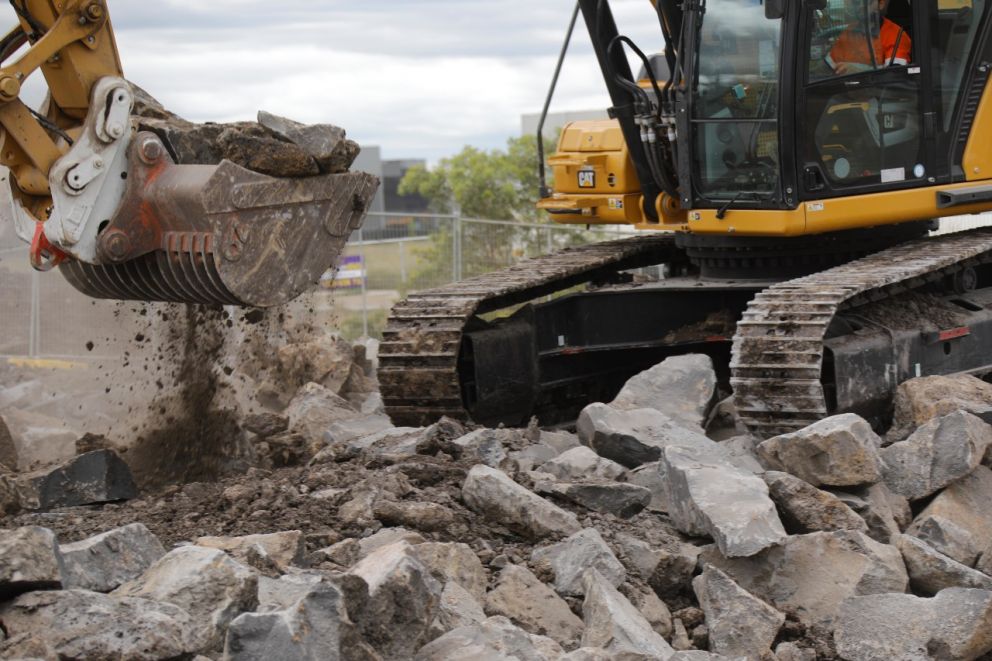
778	349
418	368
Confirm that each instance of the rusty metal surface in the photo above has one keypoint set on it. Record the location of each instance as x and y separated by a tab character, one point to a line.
418	357
778	348
220	234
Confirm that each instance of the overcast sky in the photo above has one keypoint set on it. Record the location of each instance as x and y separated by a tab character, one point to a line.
420	78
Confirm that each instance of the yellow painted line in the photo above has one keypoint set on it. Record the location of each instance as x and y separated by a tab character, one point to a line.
47	363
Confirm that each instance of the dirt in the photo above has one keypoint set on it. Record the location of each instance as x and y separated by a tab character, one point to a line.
913	311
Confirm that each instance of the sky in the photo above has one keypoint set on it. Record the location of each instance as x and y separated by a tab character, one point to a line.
419	78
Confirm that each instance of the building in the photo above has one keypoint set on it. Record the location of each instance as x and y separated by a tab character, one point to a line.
387	199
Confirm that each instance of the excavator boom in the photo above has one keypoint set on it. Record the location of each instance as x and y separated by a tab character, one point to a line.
109	204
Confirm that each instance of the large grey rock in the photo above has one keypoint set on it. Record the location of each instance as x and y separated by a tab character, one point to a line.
316	625
326	143
840	451
10	495
206	583
634	437
569	559
103	562
344	431
457	608
495	638
739	623
612	623
387	537
668	570
682	387
886	513
599	495
931	571
276	594
581	463
708	496
964	502
403	600
920	400
984	562
804	508
78	624
493	494
393	445
8	451
313	410
96	477
485	446
454	562
562	441
651	477
281	549
29	560
948	538
533	456
935	455
810	575
956	624
522	597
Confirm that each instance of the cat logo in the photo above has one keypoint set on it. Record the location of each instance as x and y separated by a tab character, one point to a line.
587	178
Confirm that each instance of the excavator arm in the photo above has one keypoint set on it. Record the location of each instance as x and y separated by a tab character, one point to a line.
110	206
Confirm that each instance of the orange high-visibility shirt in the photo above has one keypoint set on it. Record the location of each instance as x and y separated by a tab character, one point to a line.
852	46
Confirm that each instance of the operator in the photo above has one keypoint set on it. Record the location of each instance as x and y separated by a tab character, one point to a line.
850	52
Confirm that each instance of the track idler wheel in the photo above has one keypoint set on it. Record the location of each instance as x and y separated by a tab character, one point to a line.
220	234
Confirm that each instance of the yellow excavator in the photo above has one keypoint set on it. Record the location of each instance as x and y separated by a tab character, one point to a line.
789	167
109	205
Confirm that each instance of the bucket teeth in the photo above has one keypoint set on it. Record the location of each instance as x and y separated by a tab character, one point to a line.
220	234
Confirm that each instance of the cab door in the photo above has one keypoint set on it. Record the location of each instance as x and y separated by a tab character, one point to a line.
863	115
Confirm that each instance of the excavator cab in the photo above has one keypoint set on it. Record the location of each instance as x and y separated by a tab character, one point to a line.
110	205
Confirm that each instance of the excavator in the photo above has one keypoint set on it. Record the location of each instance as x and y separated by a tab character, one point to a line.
111	208
787	171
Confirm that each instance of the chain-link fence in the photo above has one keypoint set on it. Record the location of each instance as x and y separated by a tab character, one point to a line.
41	315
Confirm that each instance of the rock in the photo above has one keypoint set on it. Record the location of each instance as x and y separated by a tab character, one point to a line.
680	637
920	400
29	560
792	652
525	600
581	463
492	494
533	456
387	537
484	446
457	608
612	623
392	445
668	571
345	431
654	611
964	502
681	387
422	516
742	451
78	624
840	451
95	477
935	455
708	496
948	538
739	623
37	440
10	496
956	624
313	410
266	424
562	441
276	594
266	155
879	508
810	575
495	638
634	437
284	549
651	477
931	571
316	625
326	143
570	559
403	600
804	508
206	583
588	654
454	563
604	496
103	562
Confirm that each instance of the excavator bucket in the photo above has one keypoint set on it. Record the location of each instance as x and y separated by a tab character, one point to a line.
220	234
